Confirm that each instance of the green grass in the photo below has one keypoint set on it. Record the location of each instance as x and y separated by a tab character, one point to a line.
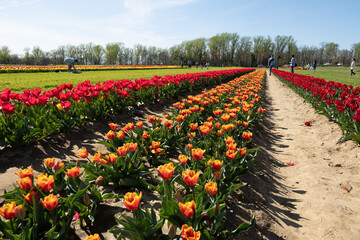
336	74
18	82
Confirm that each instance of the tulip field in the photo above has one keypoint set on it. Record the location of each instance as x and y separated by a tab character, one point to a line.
191	159
338	101
35	69
35	114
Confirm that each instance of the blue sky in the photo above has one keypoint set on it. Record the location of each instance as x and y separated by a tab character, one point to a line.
164	23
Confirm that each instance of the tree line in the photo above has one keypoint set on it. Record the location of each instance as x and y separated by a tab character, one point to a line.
225	49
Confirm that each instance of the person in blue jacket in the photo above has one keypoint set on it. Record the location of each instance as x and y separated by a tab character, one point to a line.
71	63
292	63
271	63
314	65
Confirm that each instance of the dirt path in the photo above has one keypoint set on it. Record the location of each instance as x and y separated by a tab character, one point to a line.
307	200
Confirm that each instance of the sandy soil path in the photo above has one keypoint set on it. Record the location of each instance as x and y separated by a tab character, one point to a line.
307	200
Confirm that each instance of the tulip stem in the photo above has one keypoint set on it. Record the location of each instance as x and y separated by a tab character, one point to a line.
12	226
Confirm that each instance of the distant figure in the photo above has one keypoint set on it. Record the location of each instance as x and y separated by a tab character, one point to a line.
182	64
314	65
71	63
197	64
292	63
207	65
189	64
271	63
352	67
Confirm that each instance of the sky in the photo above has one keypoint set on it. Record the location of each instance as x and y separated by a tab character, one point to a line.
165	23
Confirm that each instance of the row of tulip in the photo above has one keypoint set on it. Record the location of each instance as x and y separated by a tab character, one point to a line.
34	114
212	133
34	69
211	136
339	102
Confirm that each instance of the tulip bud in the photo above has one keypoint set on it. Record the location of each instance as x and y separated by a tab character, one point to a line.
172	231
179	197
217	175
157	129
217	210
99	180
20	212
248	118
217	155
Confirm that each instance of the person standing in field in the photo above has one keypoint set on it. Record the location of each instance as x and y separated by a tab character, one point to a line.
352	67
71	63
292	63
314	65
271	63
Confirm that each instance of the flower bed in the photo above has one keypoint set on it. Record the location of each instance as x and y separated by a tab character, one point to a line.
211	135
35	114
339	102
34	69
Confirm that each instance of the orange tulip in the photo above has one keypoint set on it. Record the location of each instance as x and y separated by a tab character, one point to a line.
190	177
189	146
231	146
139	124
193	126
216	165
129	127
122	151
188	233
242	151
83	153
166	171
29	197
197	153
132	200
120	134
188	208
169	124
155	144
225	117
27	172
146	135
230	154
211	188
25	183
110	134
247	136
229	140
245	124
8	210
210	119
50	162
204	130
73	172
220	132
113	126
45	182
93	237
50	202
111	158
97	157
183	158
217	112
132	146
208	124
151	118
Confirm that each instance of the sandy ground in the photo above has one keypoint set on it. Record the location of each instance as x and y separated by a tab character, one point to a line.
304	201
